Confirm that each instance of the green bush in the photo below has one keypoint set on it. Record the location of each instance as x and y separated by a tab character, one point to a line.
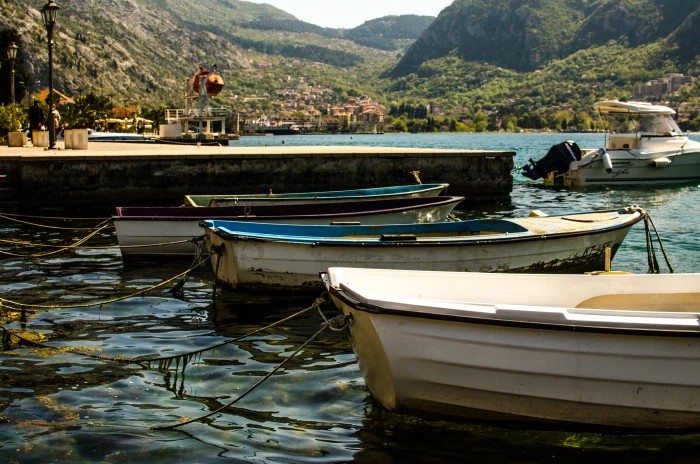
12	117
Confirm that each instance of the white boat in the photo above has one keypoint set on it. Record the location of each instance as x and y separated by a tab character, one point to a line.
96	136
281	256
144	227
608	350
643	145
367	194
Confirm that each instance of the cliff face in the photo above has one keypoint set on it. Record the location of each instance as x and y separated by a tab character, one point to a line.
683	42
125	46
390	32
523	35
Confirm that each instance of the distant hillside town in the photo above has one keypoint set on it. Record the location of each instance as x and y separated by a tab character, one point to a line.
311	109
666	85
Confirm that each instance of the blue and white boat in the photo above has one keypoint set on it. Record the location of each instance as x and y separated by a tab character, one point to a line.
283	256
380	193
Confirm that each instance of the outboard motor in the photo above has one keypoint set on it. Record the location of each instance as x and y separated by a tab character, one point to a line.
556	160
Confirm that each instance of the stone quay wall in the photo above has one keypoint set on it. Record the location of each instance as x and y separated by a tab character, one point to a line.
110	175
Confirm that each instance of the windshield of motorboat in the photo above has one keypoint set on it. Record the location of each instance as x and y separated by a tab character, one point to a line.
648	125
658	125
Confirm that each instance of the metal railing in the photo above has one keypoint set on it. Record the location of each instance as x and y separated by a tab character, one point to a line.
177	114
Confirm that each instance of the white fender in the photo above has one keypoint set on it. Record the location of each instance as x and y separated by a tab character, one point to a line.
607	162
661	162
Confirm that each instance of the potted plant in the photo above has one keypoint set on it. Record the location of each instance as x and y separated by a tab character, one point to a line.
11	119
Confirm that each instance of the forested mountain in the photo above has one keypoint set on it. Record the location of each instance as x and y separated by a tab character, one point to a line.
390	32
525	35
385	33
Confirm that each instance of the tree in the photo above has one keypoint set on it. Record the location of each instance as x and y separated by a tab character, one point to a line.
85	111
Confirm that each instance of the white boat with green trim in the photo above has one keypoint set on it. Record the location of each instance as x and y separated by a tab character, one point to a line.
367	194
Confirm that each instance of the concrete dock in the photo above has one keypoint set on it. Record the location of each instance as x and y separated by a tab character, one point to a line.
107	175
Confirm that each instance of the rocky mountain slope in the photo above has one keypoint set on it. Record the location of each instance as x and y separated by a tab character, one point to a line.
144	49
524	35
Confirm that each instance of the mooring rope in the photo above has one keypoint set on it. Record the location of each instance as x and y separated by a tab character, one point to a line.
337	323
106	247
49	253
36	307
164	363
245	393
45	226
651	253
56	217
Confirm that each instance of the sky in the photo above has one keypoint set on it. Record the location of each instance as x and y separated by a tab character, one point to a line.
348	14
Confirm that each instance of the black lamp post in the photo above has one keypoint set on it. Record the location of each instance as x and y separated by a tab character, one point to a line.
11	55
48	15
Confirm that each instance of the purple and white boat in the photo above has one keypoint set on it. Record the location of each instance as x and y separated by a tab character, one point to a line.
146	226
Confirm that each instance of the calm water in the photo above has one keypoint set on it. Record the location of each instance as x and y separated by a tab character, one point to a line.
61	407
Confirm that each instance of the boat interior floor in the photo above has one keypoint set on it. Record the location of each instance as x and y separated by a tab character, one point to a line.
661	302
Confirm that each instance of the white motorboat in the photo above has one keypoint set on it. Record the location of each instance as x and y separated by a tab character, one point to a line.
609	350
643	145
281	256
97	136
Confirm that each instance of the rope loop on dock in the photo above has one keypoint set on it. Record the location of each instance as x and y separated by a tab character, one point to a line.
416	175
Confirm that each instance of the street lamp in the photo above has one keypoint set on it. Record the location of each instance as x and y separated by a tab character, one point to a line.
11	55
48	15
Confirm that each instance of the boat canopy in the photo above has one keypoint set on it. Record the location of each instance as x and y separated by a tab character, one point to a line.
618	107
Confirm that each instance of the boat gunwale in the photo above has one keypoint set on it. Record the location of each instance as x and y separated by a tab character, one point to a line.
419	188
514	237
512	323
